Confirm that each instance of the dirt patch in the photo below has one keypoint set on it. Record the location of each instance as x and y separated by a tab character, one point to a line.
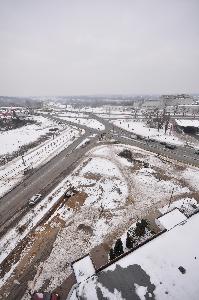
136	166
160	175
13	257
127	154
86	228
93	176
58	221
179	167
35	252
76	201
130	200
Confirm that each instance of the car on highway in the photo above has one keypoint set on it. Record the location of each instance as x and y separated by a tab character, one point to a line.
170	146
34	199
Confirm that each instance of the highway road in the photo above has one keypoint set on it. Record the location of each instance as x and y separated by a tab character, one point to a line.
14	204
180	153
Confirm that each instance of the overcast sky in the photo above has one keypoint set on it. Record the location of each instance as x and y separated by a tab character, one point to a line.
72	47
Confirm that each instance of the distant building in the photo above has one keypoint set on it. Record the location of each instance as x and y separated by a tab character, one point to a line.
174	100
152	104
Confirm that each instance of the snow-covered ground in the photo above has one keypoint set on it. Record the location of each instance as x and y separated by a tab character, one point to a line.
92	123
12	140
116	115
101	109
13	172
112	193
72	114
142	129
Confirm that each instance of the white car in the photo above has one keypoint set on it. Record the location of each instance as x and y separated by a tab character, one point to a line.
34	199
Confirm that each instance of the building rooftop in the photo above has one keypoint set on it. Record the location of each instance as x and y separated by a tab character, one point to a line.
164	268
187	123
171	219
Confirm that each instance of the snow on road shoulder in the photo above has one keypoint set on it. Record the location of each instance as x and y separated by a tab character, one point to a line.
10	240
13	172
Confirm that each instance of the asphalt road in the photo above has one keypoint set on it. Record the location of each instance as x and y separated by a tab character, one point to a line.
14	204
180	153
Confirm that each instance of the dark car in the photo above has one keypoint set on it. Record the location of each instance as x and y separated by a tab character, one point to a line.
36	198
139	137
163	143
196	151
170	146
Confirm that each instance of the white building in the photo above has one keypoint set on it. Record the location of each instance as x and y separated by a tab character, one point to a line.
174	100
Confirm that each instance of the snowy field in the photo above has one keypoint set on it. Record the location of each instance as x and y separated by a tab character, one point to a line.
111	194
92	123
12	140
72	114
142	129
116	115
104	109
13	172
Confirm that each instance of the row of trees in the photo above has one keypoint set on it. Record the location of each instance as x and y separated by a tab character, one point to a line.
131	239
157	119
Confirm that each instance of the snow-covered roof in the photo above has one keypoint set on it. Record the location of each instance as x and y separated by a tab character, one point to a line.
171	219
164	268
187	123
83	268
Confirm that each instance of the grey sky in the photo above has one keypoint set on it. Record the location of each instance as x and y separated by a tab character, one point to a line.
57	47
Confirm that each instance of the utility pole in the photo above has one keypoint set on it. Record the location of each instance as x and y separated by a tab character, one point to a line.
171	198
23	160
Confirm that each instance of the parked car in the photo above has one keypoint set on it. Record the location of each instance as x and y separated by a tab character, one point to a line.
151	140
28	170
163	143
45	296
36	198
170	146
196	151
139	137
